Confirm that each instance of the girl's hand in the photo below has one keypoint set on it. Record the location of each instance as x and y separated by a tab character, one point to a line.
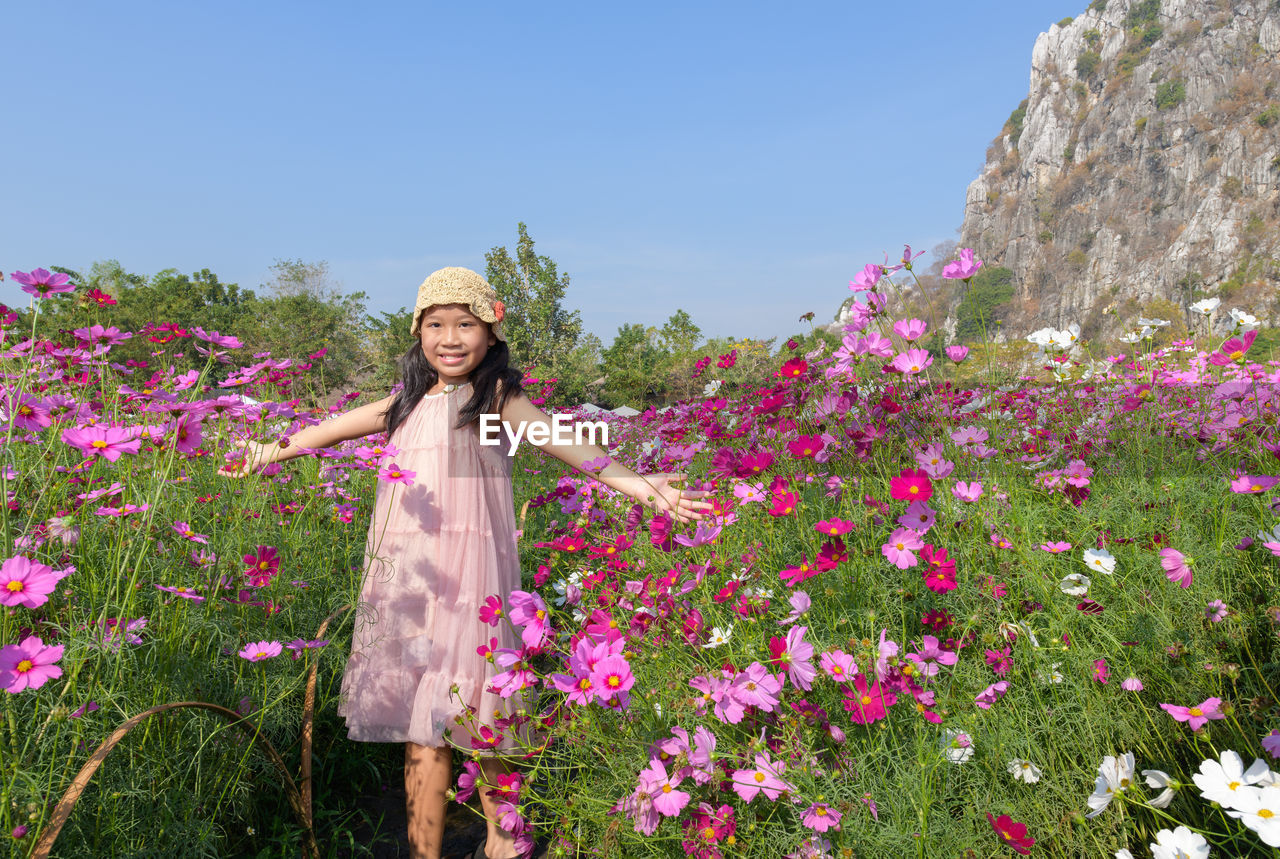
680	503
255	456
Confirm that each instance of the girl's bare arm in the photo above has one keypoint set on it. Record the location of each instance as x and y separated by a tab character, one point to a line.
654	491
357	423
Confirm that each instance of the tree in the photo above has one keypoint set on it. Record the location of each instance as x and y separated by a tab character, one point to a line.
679	334
540	332
632	366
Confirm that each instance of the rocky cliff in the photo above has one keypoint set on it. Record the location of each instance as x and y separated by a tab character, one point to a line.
1143	170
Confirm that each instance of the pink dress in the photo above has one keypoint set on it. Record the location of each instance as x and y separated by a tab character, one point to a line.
436	549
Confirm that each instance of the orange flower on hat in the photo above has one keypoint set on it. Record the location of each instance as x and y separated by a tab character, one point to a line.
499	310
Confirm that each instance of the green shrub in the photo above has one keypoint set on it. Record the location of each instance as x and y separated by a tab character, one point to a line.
1069	152
1092	38
1170	94
1269	116
1140	123
1150	35
1045	237
1077	259
1142	14
1232	187
1130	59
1087	64
1065	21
1098	6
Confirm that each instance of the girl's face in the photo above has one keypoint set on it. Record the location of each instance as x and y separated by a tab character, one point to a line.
454	341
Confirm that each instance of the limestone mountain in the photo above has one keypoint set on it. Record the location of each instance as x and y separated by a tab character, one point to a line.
1141	173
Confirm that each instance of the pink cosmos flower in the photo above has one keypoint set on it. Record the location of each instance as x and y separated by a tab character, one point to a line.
185	530
820	817
259	650
28	664
967	492
1253	485
838	665
963	268
1197	716
611	677
1271	743
393	473
969	435
919	517
107	442
1131	684
834	527
1056	548
910	330
28	414
1176	566
1233	350
899	549
26	582
530	612
42	283
800	603
794	656
667	801
957	353
1216	611
991	694
866	279
931	657
1100	671
757	687
186	593
765	777
940	571
912	362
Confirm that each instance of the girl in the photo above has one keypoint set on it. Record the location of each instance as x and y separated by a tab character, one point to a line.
439	545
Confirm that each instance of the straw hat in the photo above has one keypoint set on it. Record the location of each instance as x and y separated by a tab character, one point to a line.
455	285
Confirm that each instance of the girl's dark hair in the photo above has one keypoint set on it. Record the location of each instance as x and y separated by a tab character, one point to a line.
419	376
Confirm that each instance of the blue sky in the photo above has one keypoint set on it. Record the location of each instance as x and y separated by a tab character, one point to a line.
741	161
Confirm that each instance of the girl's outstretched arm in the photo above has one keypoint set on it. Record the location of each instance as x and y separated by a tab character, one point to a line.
653	491
357	423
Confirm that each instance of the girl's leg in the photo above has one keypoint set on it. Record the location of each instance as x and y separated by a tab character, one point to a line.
500	844
428	772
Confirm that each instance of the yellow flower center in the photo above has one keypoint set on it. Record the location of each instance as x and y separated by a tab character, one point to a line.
98	443
24	666
913	489
821	811
759	777
261	654
1266	813
1196	711
614	681
14	586
709	833
866	699
666	788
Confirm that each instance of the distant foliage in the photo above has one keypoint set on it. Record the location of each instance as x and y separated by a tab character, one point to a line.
1141	14
1268	117
1065	21
989	291
1014	123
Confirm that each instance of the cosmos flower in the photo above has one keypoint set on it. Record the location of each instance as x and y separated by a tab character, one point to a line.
29	664
1024	770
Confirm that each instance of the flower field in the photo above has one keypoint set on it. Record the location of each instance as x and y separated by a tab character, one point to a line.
930	616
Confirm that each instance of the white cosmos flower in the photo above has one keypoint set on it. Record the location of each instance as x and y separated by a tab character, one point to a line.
1024	770
1123	853
1053	675
1130	337
956	745
1246	321
1115	776
1041	338
1160	780
719	636
1181	843
1154	323
711	388
1206	306
1260	811
1220	781
1100	559
1075	584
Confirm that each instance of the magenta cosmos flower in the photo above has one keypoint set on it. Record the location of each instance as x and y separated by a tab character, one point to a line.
103	441
41	282
963	268
393	473
911	485
259	650
263	566
867	703
26	582
28	664
1199	715
820	817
